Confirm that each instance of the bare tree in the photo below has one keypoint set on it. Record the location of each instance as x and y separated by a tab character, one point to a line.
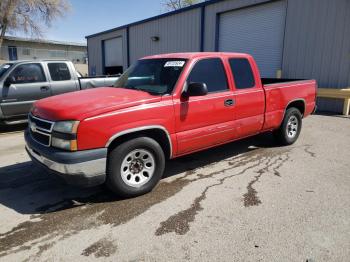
171	5
29	16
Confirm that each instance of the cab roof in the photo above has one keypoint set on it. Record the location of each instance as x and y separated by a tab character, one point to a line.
35	61
192	55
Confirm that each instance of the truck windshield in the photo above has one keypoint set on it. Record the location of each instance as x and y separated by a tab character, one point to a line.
155	76
4	68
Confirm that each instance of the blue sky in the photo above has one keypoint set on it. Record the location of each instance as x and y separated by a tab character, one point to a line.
91	16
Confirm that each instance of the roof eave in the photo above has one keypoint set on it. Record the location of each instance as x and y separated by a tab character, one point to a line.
205	3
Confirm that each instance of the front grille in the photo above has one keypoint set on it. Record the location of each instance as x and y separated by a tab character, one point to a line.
40	130
42	124
41	138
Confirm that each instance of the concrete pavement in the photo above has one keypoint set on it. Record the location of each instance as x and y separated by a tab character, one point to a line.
246	201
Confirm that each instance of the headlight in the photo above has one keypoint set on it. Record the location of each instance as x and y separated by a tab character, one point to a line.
70	145
69	127
64	135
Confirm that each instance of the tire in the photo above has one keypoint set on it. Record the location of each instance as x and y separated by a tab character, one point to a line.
290	128
135	167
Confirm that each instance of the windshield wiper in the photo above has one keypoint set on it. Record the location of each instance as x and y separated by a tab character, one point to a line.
141	89
148	91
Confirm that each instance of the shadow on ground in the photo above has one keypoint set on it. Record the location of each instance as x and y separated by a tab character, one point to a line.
333	114
58	210
12	128
31	190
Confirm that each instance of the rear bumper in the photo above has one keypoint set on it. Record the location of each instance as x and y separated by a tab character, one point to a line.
82	168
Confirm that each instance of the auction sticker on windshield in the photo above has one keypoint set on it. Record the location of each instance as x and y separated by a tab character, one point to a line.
174	64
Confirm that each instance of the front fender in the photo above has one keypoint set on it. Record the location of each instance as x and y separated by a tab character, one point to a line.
100	131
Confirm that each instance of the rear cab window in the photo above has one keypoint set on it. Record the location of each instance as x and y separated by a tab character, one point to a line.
210	71
59	71
242	73
27	73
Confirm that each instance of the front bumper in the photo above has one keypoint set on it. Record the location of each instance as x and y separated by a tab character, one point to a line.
82	168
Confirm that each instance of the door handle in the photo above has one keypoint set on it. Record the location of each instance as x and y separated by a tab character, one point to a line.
9	100
229	102
44	88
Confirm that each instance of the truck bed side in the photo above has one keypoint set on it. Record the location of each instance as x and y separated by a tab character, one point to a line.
97	81
280	95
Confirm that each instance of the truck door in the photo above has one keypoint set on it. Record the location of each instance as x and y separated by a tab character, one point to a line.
62	78
25	84
203	121
249	96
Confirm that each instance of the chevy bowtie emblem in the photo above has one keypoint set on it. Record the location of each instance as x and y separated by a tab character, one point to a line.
33	127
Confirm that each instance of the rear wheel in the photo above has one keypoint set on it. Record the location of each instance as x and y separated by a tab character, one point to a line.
135	167
290	129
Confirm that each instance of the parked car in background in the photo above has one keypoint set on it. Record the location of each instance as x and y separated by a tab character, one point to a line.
24	82
163	106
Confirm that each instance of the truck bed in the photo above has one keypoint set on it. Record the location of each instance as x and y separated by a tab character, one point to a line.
97	81
280	92
270	81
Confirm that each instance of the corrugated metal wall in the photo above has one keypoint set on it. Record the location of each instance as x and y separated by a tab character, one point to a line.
95	51
317	44
211	12
114	51
256	30
177	33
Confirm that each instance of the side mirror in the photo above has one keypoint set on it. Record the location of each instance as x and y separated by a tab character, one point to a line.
196	89
7	82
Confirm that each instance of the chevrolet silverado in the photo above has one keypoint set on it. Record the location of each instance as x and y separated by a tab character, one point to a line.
162	107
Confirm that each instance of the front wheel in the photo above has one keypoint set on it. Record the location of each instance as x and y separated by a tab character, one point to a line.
290	128
135	167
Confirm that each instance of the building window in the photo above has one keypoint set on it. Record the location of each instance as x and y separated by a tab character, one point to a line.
57	53
26	51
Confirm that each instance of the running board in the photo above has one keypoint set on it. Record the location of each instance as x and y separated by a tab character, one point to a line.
15	122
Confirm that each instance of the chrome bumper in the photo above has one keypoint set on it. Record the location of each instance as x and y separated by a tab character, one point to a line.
89	168
82	168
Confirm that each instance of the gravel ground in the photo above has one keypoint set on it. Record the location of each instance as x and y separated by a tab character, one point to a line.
246	201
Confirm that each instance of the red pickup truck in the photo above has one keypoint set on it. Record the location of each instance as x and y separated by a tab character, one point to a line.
163	106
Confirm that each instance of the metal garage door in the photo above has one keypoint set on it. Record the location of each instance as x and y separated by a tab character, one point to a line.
113	55
257	30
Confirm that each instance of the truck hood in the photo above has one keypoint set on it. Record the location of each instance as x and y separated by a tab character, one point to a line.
91	102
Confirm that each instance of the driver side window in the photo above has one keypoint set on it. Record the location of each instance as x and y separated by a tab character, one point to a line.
211	72
27	73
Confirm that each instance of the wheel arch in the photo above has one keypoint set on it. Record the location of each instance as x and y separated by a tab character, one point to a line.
156	132
298	103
